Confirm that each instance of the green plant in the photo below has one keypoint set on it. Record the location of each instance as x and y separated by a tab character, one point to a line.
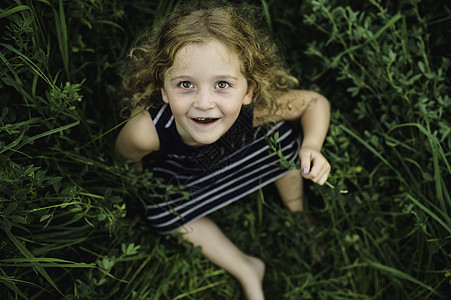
71	214
60	191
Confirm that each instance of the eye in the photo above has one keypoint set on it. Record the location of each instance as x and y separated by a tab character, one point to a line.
185	85
222	85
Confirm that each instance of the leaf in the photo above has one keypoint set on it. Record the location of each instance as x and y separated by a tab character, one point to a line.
53	180
106	263
45	217
6	225
18	219
101	216
77	208
57	186
390	23
130	249
108	192
10	208
421	66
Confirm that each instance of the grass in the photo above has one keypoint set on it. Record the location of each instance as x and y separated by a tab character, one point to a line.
71	220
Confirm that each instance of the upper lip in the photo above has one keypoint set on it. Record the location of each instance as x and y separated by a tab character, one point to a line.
203	118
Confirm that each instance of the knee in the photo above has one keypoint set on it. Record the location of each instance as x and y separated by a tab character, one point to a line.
193	230
292	179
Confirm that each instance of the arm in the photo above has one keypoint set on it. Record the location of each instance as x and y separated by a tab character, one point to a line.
138	137
314	113
315	123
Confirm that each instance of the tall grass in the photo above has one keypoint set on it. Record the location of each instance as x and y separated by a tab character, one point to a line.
71	214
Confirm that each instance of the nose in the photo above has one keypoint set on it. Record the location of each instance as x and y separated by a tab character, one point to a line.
204	100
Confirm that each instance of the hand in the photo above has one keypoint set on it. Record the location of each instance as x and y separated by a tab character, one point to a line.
314	165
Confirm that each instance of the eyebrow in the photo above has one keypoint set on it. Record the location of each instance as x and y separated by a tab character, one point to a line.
179	77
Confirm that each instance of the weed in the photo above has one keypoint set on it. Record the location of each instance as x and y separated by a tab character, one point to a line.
71	214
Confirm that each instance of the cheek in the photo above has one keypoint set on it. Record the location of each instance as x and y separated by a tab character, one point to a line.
175	108
178	108
232	111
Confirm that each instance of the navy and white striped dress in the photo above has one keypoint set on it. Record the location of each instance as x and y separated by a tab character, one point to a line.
214	175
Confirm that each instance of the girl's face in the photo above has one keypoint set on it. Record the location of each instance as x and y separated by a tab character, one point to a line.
205	90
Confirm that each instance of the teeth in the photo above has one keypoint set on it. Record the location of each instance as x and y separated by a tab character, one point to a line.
205	120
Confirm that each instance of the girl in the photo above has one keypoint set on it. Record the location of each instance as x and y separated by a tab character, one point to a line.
206	89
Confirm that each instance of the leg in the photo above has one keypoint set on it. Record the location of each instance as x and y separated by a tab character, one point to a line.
291	190
222	252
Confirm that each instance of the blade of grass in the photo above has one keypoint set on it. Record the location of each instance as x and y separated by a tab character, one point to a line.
200	289
16	83
25	252
431	213
437	151
5	13
399	274
11	284
30	63
44	262
61	244
267	13
110	23
374	151
138	271
431	137
61	32
29	140
110	130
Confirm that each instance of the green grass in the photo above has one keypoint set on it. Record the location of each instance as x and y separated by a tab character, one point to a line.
71	222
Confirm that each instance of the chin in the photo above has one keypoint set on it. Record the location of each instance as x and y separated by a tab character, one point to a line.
202	140
206	141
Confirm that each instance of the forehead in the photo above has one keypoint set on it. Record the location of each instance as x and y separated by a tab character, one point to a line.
212	51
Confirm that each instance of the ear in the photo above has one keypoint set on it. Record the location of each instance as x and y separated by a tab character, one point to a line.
164	96
249	94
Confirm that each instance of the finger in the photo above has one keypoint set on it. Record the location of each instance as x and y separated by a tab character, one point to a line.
324	175
305	163
320	171
323	178
317	165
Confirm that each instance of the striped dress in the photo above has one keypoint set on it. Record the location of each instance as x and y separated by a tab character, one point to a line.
214	175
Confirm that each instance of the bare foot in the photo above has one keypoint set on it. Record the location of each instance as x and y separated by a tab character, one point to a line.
252	284
310	229
259	267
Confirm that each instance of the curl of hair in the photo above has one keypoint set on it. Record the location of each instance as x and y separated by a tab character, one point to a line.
235	26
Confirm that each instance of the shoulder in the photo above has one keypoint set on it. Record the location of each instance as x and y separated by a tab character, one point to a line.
291	104
138	137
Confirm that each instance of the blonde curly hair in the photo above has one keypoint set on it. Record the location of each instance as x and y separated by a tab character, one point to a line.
153	54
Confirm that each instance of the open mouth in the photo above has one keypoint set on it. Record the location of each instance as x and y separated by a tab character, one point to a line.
204	120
